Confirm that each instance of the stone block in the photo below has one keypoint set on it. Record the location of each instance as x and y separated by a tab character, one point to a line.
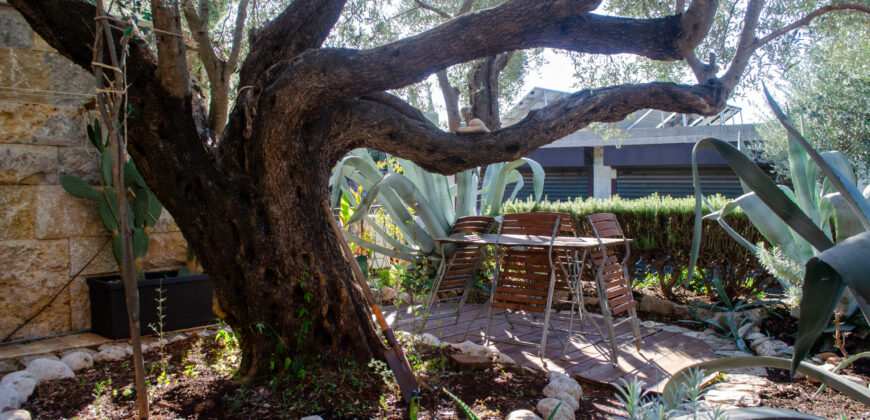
91	255
79	304
471	362
32	272
14	30
60	215
42	124
24	69
17	213
28	164
39	44
167	250
66	76
81	162
165	223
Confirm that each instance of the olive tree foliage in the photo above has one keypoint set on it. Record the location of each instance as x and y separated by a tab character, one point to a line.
828	96
787	30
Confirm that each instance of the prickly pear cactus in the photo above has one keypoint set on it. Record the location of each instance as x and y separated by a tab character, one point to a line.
144	209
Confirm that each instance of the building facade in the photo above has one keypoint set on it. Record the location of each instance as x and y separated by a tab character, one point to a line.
648	152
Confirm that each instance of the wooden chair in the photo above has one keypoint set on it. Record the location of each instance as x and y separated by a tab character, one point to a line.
613	281
526	277
457	273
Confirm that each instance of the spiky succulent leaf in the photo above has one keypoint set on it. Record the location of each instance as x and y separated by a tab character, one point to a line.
78	187
827	274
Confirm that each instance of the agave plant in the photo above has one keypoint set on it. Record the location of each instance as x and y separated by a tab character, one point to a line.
835	267
423	205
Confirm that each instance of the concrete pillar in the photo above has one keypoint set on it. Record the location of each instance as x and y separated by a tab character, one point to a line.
602	175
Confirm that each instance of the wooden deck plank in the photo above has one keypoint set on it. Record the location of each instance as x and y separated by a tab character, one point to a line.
661	353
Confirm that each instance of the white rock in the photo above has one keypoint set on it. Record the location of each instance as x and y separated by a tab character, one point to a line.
16	415
675	328
754	336
311	418
754	314
22	381
430	340
755	380
505	359
556	375
522	415
547	405
467	347
773	348
651	324
569	401
734	394
47	370
78	361
388	294
404	297
9	398
27	359
758	342
563	385
177	337
113	352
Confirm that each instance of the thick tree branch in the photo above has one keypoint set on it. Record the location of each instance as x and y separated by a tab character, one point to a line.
236	48
303	25
197	20
386	126
695	23
515	25
172	64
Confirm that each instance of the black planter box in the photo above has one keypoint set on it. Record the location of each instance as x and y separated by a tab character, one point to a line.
187	303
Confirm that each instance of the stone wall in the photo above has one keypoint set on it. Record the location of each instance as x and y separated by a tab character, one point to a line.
47	235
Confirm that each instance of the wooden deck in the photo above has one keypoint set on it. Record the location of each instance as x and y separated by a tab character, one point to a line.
661	353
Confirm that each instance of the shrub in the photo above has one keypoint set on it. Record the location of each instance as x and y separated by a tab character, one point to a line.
661	227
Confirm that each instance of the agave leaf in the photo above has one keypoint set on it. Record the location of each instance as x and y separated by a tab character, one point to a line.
538	176
356	240
771	195
719	218
846	386
412	196
78	187
848	223
496	191
840	181
827	274
466	201
516	177
395	243
755	413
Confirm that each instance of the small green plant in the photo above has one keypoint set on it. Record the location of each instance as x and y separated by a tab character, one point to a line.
685	401
158	327
732	321
462	405
101	387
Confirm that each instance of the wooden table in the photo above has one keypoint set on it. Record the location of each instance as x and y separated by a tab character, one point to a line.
558	243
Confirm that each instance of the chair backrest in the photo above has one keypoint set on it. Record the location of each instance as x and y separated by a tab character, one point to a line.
605	225
523	280
537	223
472	224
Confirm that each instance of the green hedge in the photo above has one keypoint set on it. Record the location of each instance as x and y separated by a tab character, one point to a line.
661	227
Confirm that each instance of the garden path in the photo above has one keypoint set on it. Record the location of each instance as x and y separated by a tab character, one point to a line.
662	353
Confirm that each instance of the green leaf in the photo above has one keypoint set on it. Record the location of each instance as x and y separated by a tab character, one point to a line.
98	134
108	209
141	206
106	167
78	187
92	136
154	210
117	249
140	243
840	181
132	176
769	193
827	274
